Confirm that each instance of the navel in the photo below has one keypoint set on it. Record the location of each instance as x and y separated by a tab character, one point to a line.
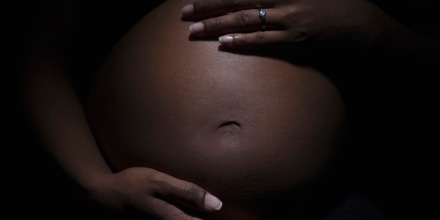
229	128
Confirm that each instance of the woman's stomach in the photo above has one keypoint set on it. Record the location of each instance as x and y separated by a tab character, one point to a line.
240	126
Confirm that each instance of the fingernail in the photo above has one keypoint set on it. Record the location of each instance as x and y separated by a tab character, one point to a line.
188	10
196	28
226	39
213	202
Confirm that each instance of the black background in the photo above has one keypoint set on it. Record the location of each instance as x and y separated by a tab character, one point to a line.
394	162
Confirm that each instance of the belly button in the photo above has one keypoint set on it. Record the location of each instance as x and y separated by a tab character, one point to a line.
229	123
229	128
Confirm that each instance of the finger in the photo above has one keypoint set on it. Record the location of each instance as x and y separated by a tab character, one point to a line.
186	194
210	8
262	39
239	22
162	210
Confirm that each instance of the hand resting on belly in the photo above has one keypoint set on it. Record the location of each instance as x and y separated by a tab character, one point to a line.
244	127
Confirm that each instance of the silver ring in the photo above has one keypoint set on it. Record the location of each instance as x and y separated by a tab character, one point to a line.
262	15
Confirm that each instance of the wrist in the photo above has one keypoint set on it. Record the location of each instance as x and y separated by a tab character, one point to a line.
102	190
92	182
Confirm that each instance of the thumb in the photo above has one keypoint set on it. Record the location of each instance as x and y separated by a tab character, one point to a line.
188	195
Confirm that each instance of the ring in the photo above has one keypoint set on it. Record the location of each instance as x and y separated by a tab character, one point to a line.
262	15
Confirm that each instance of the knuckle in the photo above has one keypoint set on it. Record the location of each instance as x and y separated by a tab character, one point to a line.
157	180
214	24
243	40
192	193
291	16
201	5
242	18
300	36
260	37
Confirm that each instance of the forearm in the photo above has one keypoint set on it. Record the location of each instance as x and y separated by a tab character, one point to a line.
58	118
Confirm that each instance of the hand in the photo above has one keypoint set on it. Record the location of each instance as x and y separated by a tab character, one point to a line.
289	23
154	193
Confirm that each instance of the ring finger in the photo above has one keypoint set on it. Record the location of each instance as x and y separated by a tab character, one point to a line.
238	22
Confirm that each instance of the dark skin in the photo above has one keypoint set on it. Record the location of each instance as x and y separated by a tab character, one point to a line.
294	24
49	90
236	130
99	179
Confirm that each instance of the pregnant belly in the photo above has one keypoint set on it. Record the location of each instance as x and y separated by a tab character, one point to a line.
240	126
